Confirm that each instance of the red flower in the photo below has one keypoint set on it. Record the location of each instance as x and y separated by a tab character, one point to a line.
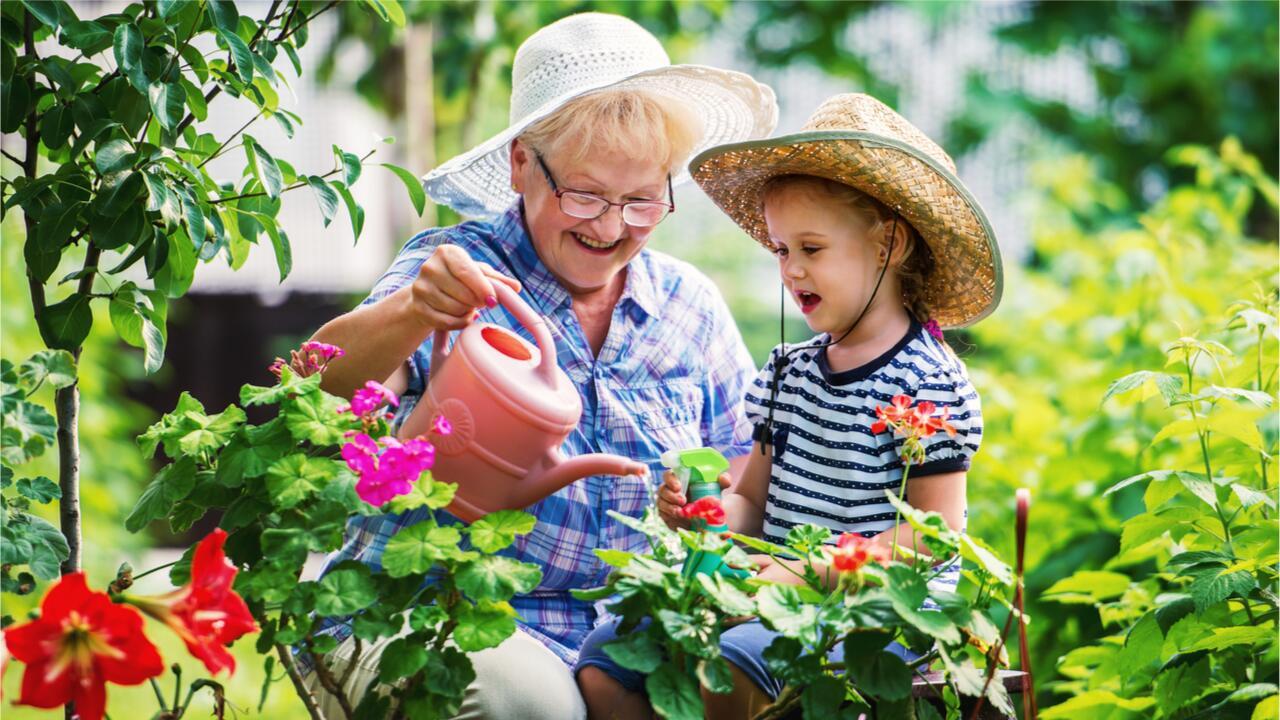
853	551
893	414
206	613
929	423
80	642
707	509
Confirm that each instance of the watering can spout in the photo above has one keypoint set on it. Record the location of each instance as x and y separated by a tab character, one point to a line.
557	471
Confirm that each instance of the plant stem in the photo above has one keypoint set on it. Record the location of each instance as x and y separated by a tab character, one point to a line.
1204	452
155	687
330	683
308	700
157	568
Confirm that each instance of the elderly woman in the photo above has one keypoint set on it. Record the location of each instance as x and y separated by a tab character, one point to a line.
601	125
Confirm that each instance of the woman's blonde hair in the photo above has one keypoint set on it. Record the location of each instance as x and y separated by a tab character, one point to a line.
915	260
638	123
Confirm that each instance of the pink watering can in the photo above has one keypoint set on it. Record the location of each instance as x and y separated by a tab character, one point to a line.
510	407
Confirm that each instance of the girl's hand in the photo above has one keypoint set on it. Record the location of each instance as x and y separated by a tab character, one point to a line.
670	499
451	287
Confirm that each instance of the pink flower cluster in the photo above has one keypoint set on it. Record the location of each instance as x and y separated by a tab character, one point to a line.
313	357
387	467
372	401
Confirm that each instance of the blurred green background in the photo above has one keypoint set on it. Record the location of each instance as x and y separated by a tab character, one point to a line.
1076	124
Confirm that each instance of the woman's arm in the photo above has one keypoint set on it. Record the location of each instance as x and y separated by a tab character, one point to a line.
377	338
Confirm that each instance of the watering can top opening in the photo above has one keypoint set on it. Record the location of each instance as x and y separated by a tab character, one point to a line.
513	370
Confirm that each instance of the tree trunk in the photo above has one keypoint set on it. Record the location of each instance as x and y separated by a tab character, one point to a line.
67	404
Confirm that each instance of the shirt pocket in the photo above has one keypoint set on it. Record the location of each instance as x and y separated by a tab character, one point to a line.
645	422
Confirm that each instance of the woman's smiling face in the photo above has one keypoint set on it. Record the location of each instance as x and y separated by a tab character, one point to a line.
586	255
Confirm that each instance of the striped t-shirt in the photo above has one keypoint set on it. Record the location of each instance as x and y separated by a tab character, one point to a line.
828	467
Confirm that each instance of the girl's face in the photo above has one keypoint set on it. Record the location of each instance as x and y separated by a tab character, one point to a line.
586	256
827	262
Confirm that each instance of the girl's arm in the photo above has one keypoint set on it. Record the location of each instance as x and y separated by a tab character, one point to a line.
745	499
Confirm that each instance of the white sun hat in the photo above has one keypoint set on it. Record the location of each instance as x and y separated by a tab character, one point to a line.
581	54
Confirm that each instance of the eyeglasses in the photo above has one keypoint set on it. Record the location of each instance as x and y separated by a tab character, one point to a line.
636	213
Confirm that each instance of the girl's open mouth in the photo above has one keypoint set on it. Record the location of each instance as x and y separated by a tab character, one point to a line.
595	246
808	301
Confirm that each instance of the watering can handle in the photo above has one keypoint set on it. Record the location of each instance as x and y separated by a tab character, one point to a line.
526	316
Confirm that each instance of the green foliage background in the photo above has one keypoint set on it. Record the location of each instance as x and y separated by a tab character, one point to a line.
1111	278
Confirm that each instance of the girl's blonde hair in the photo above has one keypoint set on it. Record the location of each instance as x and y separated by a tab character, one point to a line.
915	258
636	122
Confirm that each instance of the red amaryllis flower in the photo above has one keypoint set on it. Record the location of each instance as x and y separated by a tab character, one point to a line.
853	551
81	642
707	509
206	613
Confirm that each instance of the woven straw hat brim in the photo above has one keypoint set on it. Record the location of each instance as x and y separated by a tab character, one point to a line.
967	279
731	105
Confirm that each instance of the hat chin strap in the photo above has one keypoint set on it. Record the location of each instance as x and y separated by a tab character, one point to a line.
763	434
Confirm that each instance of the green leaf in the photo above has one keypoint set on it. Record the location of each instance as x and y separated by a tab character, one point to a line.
673	694
496	531
224	14
280	245
822	699
128	47
906	590
354	211
131	315
50	12
48	548
1228	636
975	550
403	657
265	168
315	418
56	126
239	53
715	675
1173	610
206	434
290	384
1147	384
170	485
296	477
15	103
121	191
426	492
637	650
28	429
168	103
127	228
56	367
351	165
494	577
727	597
415	549
194	99
484	626
1088	586
39	489
783	608
344	591
1214	586
64	325
416	194
1250	497
1097	701
325	196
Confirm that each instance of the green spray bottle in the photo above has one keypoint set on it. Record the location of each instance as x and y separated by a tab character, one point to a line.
699	471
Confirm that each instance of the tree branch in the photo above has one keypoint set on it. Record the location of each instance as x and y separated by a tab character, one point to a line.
294	186
309	700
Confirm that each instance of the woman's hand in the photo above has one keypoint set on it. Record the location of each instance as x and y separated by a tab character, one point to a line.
451	288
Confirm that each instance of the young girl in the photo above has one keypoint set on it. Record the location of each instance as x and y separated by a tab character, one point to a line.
881	246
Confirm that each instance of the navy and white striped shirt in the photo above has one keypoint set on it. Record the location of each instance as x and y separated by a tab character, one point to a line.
828	467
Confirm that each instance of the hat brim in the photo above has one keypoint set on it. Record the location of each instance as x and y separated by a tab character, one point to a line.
967	279
732	106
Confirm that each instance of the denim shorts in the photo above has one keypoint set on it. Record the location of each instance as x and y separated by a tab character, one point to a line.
743	645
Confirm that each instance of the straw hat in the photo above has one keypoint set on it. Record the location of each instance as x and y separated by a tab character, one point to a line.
859	141
581	54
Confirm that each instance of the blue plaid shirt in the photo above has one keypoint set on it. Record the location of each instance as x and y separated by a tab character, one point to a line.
672	373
